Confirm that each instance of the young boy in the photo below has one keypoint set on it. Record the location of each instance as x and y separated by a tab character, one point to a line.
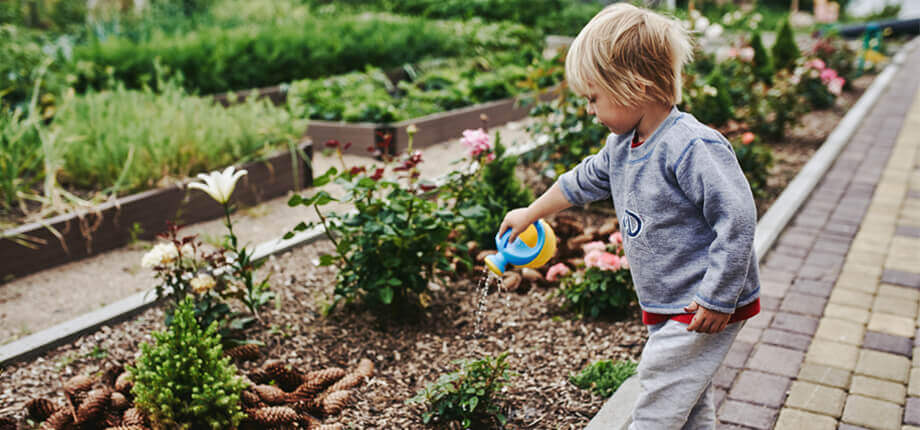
685	209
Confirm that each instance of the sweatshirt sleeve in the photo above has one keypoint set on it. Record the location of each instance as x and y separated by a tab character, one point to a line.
709	174
590	180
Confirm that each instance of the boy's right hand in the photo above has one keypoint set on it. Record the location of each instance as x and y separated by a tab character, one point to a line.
517	220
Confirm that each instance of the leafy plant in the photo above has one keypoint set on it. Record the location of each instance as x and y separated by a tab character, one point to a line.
755	159
392	245
604	377
712	103
763	63
470	396
605	287
184	380
21	156
785	50
774	109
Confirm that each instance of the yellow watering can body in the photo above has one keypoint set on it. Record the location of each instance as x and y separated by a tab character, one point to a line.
533	248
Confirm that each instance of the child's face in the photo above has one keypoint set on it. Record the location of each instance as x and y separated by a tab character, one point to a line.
617	118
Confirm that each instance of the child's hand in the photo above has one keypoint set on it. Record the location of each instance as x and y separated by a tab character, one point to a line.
517	220
706	320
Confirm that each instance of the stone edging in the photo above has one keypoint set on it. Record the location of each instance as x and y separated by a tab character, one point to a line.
616	412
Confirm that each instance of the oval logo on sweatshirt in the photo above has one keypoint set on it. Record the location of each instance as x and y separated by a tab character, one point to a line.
632	224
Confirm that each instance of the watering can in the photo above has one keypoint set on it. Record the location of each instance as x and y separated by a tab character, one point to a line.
532	248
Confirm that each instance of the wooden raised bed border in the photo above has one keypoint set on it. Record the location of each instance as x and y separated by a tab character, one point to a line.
111	224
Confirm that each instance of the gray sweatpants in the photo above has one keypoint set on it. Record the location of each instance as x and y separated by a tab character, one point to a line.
675	376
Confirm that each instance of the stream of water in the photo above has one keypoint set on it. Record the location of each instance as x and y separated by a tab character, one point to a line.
486	279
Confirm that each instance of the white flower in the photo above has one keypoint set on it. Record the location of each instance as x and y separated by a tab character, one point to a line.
161	254
411	129
694	14
757	17
219	185
701	23
202	283
713	31
727	19
746	54
710	91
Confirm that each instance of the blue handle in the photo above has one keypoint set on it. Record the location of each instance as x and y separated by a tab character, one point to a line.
518	253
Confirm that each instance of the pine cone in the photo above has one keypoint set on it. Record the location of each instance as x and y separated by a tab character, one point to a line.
336	402
133	417
346	383
365	368
8	423
119	402
308	421
40	409
123	383
251	400
308	406
259	376
284	375
111	374
94	406
274	415
308	390
78	384
112	418
325	377
335	426
247	352
126	428
60	420
271	394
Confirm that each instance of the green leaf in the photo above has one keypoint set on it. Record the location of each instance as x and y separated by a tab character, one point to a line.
325	178
386	295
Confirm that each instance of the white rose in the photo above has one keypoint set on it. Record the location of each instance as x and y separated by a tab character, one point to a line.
694	14
713	31
202	283
746	54
701	23
710	91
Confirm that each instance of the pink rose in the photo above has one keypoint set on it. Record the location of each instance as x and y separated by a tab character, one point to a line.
616	238
557	270
828	75
817	64
623	263
594	246
835	86
747	138
477	140
593	259
609	262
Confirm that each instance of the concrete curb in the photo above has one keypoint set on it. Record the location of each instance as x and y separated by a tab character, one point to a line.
616	412
35	344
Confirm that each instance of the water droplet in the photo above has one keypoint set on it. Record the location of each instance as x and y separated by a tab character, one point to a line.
485	281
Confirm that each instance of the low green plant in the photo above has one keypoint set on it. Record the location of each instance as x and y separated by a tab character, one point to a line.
21	157
605	285
712	103
184	381
785	50
393	244
763	63
470	396
775	108
755	159
604	377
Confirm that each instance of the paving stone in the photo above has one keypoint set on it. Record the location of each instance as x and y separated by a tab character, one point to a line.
878	389
724	377
777	360
908	231
856	299
746	414
888	343
738	354
899	292
848	313
915	361
750	334
781	261
770	303
898	277
813	287
816	398
774	288
892	324
840	331
786	339
804	304
760	320
895	306
833	354
913	386
876	414
819	273
912	411
910	428
759	388
858	279
825	375
794	323
791	419
883	365
844	426
790	251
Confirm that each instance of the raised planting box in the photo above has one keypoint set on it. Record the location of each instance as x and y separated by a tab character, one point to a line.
69	237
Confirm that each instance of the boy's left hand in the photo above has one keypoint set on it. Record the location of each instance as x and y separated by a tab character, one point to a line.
706	320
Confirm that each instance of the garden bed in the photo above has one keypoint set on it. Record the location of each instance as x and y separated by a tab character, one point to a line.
40	245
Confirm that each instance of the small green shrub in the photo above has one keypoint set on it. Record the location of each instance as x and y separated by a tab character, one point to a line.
572	132
785	50
604	377
605	287
21	156
763	64
713	102
755	159
184	381
470	396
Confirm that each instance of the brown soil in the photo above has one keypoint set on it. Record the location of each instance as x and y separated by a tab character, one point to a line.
546	345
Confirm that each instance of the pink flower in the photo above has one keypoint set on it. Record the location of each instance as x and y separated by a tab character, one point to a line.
477	140
557	270
835	86
828	75
609	262
746	54
616	238
817	64
747	138
593	259
623	263
594	246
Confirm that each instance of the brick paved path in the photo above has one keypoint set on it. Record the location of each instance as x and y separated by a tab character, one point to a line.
837	343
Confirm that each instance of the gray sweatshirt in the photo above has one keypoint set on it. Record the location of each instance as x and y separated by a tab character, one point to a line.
686	213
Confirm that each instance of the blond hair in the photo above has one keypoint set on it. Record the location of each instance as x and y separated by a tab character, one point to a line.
624	48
